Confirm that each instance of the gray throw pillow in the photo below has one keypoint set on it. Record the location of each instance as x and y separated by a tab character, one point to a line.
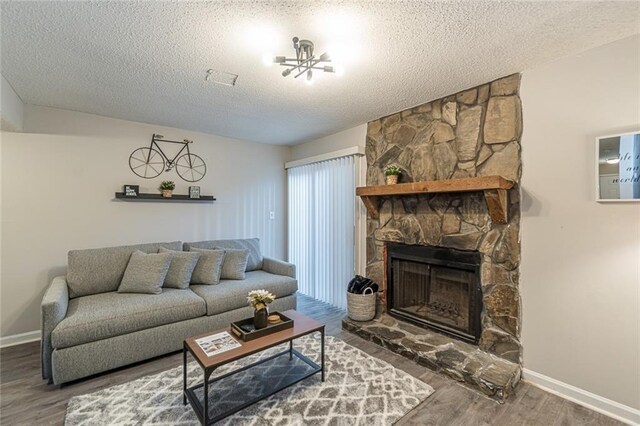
145	273
235	263
252	244
181	269
209	266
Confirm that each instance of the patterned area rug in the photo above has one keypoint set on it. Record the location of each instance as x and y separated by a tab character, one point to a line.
359	390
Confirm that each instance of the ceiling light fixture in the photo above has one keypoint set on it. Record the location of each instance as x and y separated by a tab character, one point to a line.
305	60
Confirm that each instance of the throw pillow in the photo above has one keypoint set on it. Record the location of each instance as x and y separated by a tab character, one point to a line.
208	268
181	269
252	244
235	263
145	273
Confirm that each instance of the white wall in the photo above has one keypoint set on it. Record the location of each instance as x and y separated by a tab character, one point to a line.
11	108
580	260
355	136
58	185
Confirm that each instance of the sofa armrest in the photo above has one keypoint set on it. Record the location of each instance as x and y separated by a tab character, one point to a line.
279	267
53	309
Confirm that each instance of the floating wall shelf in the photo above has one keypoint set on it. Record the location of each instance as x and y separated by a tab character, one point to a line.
494	189
159	197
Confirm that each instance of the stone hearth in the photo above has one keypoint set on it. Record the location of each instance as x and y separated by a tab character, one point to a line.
492	375
469	134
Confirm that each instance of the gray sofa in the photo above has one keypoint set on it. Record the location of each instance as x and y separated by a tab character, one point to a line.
88	327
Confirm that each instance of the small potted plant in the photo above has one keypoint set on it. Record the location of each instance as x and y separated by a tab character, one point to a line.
259	300
392	172
167	187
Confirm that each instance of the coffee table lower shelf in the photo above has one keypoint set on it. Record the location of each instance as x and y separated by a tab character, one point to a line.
240	388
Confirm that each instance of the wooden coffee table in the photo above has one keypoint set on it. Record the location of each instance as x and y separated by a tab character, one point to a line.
290	367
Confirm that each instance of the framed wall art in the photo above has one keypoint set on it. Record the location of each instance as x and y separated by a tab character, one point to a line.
131	190
618	167
194	192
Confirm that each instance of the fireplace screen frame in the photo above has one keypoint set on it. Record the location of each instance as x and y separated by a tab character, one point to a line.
439	256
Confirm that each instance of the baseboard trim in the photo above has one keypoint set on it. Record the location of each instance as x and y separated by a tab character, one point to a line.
587	399
19	339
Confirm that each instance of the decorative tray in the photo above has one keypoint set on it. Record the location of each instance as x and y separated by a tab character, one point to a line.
245	329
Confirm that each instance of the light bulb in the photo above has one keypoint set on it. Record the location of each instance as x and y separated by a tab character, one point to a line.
267	59
309	79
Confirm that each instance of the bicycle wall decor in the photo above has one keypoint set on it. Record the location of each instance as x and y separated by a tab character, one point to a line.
149	162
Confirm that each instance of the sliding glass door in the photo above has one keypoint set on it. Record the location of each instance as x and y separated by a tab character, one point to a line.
322	226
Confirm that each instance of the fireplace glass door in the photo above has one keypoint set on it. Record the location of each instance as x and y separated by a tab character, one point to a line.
436	293
433	293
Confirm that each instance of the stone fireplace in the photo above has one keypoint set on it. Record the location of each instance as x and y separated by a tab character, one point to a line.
463	321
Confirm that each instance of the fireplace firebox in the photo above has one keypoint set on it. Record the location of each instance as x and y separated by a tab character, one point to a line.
437	288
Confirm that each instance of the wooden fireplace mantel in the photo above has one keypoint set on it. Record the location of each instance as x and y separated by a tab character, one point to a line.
494	188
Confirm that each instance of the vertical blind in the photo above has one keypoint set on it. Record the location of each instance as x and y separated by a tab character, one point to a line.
321	227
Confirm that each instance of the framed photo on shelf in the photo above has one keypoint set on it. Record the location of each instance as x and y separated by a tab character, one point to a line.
131	190
194	192
618	167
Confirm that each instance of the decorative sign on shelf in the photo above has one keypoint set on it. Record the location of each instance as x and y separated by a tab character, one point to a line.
149	162
618	167
131	190
194	192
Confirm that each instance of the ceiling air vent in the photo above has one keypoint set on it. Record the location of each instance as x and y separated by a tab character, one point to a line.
221	77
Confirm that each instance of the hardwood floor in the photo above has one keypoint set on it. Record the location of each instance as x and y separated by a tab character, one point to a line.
26	399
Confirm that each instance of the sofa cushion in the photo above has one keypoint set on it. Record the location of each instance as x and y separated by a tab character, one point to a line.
232	294
94	271
145	273
234	265
208	268
251	244
104	315
182	265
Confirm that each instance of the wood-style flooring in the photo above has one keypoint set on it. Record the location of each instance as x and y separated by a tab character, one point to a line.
26	399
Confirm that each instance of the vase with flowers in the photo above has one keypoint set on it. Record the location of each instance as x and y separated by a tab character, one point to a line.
259	300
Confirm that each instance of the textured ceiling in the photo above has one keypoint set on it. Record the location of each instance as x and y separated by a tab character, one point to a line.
146	61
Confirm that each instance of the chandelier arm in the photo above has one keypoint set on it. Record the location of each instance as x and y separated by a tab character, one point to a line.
302	63
296	64
301	72
317	61
298	54
307	68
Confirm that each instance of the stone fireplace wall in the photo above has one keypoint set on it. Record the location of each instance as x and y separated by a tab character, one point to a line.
472	133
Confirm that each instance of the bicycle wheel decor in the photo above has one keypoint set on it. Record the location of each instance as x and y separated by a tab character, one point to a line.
146	162
190	167
149	162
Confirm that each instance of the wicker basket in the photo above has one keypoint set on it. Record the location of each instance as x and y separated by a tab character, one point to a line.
361	307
